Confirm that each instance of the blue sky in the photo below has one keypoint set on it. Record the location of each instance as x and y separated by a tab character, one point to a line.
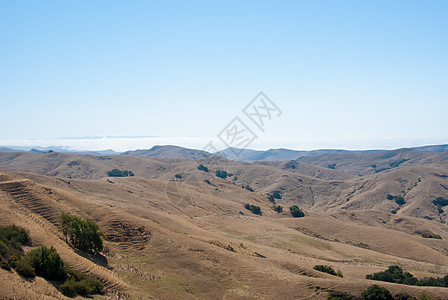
346	74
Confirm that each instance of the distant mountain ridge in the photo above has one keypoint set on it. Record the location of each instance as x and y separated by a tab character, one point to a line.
237	154
170	152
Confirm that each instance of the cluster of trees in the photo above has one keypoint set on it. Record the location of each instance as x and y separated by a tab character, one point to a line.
201	167
221	174
398	199
396	274
42	261
178	176
296	212
119	173
253	208
83	234
328	269
332	166
440	202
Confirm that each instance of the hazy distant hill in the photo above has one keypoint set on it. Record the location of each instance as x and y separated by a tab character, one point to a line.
5	149
432	148
39	149
170	152
278	154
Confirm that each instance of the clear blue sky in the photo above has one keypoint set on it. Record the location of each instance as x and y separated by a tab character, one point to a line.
350	74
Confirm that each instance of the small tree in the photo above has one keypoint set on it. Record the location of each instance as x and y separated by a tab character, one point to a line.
376	292
296	212
221	174
253	208
84	234
46	263
201	167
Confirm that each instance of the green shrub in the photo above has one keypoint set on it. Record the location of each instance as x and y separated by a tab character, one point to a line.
178	176
24	268
201	167
398	199
5	266
327	269
221	174
296	212
14	234
271	198
276	195
253	208
394	274
46	263
12	238
375	292
119	173
84	234
277	208
81	284
440	202
332	166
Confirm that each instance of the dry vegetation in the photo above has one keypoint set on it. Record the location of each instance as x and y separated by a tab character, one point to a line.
168	237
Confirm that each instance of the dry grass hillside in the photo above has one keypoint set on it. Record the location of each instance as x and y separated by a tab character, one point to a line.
190	237
371	163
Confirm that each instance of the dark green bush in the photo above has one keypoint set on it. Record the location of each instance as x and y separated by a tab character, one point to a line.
46	263
271	198
276	195
84	234
5	266
376	292
327	269
394	274
178	176
440	201
201	167
332	166
442	282
221	174
81	284
296	212
119	173
398	199
24	268
253	208
277	208
12	238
